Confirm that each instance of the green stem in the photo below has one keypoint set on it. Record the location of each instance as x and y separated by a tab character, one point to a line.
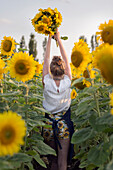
26	118
95	98
97	104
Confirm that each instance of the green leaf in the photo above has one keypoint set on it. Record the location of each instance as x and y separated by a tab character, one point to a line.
10	94
11	82
34	123
107	118
40	109
37	136
95	125
31	152
86	99
110	165
83	164
77	81
5	165
30	166
64	37
20	157
44	149
39	160
14	107
99	154
82	135
22	49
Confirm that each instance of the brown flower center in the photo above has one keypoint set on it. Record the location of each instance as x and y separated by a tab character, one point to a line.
7	45
22	67
76	58
107	35
45	20
7	135
47	32
41	28
86	74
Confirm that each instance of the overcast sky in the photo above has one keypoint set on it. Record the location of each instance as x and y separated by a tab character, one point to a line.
80	17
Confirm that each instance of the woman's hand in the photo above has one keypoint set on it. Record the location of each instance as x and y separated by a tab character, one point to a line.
57	35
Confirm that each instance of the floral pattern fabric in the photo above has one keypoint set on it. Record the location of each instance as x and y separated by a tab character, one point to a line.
63	130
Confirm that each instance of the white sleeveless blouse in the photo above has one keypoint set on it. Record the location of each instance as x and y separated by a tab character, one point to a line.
55	101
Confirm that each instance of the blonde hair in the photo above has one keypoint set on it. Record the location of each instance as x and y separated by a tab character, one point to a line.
57	66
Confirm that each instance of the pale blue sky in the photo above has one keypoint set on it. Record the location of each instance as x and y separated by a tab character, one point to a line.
80	17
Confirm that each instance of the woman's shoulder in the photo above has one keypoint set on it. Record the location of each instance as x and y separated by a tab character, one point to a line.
47	77
66	78
65	83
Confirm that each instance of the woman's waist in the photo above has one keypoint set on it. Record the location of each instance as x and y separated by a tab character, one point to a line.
56	109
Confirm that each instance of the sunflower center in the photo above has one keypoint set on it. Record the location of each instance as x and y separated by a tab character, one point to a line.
107	35
76	58
45	20
7	135
22	67
7	45
73	94
47	32
41	28
85	74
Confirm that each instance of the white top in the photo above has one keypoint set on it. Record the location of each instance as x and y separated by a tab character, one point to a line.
55	101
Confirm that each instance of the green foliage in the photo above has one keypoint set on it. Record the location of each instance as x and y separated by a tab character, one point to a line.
93	123
64	37
93	136
15	98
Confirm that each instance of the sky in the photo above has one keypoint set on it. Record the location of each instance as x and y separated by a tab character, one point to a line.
80	17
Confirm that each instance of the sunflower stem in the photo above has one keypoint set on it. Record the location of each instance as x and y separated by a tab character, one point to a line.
1	86
26	119
95	98
97	104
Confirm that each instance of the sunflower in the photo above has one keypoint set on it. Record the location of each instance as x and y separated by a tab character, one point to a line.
79	85
60	124
38	68
40	27
66	132
111	99
103	60
22	66
51	11
12	131
80	56
37	18
48	31
89	72
7	46
75	72
106	32
86	83
46	20
60	17
111	102
2	68
73	94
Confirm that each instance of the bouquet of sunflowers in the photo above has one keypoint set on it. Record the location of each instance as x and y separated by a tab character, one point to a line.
46	21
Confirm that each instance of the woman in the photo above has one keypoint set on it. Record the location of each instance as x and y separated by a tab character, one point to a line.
57	81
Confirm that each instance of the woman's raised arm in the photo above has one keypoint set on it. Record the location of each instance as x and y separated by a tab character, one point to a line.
64	55
46	64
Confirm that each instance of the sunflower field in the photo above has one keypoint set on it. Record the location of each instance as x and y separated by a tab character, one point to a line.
22	115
